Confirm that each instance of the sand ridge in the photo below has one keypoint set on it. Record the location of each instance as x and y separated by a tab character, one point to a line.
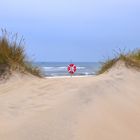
104	107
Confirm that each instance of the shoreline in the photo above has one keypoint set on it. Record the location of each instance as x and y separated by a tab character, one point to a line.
77	76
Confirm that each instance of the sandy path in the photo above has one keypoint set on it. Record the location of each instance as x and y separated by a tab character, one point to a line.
105	107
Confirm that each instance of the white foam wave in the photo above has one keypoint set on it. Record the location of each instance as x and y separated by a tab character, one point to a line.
59	68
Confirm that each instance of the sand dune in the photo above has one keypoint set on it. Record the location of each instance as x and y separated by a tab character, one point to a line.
105	107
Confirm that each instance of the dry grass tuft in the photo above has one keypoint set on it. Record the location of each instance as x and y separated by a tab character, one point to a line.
12	56
131	59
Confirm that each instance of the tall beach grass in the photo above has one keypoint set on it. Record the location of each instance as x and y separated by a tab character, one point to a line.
131	59
13	57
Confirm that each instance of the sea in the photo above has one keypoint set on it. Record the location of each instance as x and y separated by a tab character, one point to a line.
55	69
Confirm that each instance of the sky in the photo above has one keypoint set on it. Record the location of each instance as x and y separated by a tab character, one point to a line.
73	30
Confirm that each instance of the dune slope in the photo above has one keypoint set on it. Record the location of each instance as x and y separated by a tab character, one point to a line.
105	107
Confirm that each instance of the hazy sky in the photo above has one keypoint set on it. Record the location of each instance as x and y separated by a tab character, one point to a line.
78	30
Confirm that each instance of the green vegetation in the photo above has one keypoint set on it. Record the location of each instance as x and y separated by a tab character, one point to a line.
131	59
12	56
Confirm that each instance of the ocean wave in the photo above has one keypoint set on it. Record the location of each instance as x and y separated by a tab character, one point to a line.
59	68
81	68
54	68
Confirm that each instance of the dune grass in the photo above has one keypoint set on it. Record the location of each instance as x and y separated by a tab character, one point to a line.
131	59
13	57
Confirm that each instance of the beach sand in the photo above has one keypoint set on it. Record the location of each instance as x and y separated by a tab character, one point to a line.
104	107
